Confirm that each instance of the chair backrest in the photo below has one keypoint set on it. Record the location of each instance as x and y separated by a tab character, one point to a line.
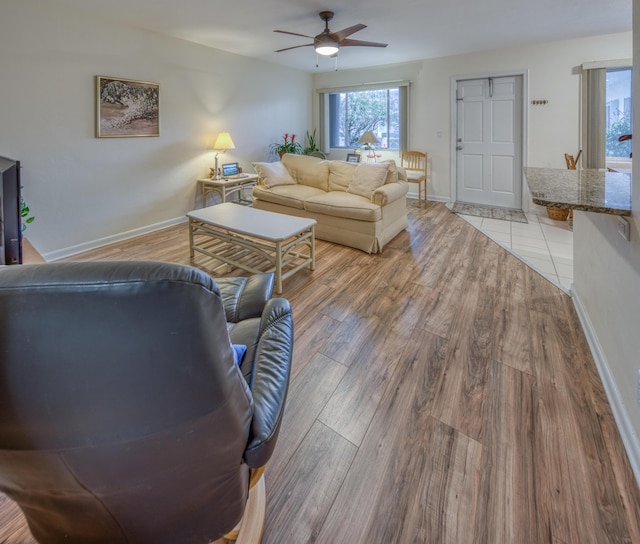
123	415
570	160
414	160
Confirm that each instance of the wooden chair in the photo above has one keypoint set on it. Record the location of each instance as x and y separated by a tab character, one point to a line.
570	160
571	165
415	163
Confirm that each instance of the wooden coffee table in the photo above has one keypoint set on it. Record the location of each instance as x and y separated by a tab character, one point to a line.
253	240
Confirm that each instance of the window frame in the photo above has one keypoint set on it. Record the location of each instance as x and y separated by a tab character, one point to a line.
404	98
593	112
340	113
614	104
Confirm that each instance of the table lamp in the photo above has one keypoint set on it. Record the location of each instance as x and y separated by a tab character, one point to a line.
222	143
369	138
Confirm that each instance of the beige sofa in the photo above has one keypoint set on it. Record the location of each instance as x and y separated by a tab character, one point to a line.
358	205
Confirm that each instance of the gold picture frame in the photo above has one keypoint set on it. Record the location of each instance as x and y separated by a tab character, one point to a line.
127	108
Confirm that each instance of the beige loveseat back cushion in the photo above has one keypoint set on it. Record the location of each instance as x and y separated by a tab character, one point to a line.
367	178
340	175
308	170
273	174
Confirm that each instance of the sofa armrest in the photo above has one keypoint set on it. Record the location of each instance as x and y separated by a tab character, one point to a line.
270	380
389	192
245	298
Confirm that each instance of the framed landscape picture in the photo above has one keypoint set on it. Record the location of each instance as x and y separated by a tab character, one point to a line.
353	157
126	108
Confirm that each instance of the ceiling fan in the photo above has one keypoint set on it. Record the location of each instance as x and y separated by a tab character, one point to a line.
328	43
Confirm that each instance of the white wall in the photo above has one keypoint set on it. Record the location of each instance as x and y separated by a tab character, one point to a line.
85	191
552	75
607	289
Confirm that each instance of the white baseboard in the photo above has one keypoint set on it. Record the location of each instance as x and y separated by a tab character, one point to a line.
434	198
620	414
93	244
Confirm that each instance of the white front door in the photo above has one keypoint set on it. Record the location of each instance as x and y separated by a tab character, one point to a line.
489	141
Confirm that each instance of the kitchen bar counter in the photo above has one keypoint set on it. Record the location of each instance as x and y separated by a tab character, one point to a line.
583	189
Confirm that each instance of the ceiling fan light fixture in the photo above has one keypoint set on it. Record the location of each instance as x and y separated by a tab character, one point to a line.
325	45
327	50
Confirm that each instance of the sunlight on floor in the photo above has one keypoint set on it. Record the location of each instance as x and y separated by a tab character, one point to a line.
543	244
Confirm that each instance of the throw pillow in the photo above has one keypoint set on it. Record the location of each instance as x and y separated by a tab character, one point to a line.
340	175
367	178
238	352
307	170
273	173
392	175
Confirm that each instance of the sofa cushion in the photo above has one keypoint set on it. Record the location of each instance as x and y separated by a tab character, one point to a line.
392	174
307	170
286	195
367	178
340	175
273	173
343	204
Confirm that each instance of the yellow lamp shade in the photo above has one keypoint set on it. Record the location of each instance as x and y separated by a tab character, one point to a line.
224	142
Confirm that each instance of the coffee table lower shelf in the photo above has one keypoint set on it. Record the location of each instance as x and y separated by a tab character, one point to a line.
253	254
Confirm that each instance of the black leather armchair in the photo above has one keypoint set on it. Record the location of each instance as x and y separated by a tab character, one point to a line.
123	414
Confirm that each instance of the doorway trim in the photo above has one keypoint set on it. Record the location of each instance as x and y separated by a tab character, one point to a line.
526	197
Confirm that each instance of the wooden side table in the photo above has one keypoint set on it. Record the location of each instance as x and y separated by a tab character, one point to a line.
225	187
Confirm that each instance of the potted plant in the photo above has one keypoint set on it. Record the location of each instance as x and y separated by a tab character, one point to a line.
287	145
25	214
311	145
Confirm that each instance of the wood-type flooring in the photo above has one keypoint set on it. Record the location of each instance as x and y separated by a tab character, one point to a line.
441	392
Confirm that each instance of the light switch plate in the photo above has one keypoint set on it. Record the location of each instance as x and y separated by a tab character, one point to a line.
623	228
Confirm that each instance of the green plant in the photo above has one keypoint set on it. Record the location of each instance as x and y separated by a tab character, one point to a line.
288	145
310	140
24	214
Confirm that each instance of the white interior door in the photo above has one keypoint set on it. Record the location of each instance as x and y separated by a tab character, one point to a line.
489	141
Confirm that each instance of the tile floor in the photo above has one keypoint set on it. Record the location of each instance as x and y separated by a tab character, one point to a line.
543	244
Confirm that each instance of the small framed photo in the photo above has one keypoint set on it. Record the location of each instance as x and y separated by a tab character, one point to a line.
126	108
353	157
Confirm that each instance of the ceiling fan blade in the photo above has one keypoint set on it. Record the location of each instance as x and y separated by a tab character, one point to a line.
294	47
347	43
293	33
342	34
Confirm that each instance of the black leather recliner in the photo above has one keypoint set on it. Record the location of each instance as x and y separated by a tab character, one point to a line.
123	414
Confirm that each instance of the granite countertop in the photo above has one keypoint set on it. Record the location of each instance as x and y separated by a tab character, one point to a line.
583	189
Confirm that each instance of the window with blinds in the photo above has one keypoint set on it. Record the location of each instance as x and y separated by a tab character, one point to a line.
347	113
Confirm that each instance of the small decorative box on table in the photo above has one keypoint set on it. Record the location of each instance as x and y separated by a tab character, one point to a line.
253	240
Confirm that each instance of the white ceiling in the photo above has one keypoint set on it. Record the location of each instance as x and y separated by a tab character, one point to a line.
414	29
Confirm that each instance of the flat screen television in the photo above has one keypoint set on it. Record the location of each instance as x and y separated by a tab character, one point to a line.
10	220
